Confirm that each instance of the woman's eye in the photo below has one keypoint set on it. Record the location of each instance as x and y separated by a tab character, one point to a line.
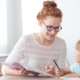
57	27
50	26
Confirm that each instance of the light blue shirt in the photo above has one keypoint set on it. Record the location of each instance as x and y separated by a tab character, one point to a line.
75	68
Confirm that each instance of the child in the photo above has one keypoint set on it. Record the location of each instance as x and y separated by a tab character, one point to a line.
75	68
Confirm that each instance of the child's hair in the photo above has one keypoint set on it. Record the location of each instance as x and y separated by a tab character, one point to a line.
49	9
77	46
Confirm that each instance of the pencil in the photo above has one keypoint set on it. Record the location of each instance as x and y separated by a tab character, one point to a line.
0	67
56	64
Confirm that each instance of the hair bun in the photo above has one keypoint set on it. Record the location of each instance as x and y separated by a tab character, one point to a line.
49	4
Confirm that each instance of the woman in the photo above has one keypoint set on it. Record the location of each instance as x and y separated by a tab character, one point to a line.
38	50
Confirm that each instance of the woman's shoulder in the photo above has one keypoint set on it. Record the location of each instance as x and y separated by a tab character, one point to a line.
58	39
29	36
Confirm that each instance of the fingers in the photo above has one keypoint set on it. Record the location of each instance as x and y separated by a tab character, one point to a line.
59	72
17	68
22	70
25	72
70	75
47	67
66	76
50	72
50	69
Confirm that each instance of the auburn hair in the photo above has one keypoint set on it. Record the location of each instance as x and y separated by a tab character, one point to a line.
49	9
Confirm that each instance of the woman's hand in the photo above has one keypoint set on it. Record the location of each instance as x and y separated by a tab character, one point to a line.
22	71
59	72
50	70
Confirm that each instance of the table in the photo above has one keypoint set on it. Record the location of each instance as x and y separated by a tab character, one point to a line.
29	77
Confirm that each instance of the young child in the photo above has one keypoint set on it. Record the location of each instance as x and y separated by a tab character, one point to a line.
75	68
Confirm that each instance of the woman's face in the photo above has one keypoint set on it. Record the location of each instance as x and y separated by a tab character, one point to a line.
53	22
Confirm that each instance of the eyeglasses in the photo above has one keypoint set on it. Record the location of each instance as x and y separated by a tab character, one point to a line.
50	28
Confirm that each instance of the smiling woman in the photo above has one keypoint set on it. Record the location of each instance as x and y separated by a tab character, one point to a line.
38	50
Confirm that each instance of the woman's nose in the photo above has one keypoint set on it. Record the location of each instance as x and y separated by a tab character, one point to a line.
53	31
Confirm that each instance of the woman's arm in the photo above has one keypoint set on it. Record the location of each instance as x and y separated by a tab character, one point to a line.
11	71
15	56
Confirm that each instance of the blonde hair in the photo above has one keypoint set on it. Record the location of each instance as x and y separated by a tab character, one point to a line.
77	46
49	9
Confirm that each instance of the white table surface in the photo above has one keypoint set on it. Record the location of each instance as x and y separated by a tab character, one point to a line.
30	77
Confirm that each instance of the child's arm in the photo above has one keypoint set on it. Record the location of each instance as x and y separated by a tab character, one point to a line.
73	75
15	71
61	72
66	70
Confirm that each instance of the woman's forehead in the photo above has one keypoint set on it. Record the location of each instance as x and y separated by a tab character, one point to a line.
52	21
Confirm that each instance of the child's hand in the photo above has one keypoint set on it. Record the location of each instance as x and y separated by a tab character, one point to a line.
50	70
59	72
22	71
71	75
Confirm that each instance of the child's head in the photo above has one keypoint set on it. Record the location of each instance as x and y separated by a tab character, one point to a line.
77	52
49	19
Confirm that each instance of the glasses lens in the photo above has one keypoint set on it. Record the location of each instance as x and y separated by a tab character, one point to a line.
57	29
49	28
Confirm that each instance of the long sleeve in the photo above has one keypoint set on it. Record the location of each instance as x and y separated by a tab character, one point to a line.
17	53
62	56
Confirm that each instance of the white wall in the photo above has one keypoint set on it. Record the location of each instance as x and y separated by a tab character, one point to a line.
70	23
14	23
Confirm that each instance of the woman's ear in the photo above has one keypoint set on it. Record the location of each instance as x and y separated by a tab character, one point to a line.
40	23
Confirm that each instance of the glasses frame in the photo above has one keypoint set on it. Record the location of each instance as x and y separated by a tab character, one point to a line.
53	27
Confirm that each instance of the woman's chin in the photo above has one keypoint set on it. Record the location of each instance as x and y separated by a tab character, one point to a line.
50	38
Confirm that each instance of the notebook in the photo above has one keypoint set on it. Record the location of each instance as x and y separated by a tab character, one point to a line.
35	72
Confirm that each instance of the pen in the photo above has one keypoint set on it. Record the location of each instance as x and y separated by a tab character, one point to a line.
56	64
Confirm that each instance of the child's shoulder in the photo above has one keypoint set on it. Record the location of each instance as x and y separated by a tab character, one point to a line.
75	65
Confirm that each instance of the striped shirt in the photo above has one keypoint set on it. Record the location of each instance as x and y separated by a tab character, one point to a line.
30	52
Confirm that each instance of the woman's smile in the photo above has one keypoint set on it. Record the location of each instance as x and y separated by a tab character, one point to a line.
50	35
